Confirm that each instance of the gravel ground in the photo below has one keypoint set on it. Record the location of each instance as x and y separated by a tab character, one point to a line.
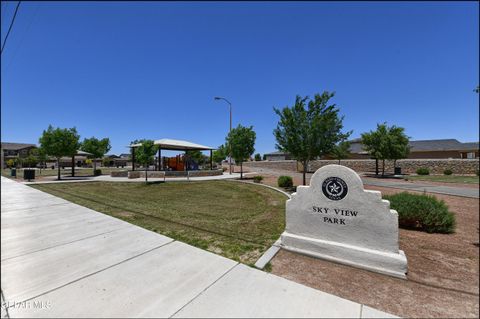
443	277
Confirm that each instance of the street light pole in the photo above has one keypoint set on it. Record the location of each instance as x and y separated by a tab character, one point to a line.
229	146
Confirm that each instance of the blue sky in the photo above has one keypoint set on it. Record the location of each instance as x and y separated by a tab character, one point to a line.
132	70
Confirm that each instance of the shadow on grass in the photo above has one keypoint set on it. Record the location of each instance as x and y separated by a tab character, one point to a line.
154	182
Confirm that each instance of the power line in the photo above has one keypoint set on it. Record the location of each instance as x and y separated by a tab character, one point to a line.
11	25
22	37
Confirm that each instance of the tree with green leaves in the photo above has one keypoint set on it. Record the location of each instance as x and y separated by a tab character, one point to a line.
32	158
376	144
386	143
98	148
258	157
241	140
106	162
42	158
219	154
195	155
309	129
341	151
145	154
398	141
59	142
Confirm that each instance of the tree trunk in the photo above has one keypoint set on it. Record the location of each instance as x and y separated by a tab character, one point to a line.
305	163
338	161
146	169
376	166
58	167
241	170
383	168
94	166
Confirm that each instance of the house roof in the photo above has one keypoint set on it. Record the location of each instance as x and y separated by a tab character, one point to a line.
177	145
276	153
356	145
16	146
470	146
435	145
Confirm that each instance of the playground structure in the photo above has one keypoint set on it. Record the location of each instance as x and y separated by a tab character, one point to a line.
179	162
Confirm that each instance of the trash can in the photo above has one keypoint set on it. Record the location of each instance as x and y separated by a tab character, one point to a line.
13	172
398	171
29	174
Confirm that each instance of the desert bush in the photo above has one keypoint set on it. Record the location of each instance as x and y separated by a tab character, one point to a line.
423	171
422	212
285	181
257	178
447	172
11	163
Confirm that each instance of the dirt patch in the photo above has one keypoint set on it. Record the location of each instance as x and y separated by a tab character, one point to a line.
125	214
443	277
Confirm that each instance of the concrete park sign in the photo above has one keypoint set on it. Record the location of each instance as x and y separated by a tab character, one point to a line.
336	219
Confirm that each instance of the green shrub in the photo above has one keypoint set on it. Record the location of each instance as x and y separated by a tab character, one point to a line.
257	178
285	181
423	171
97	172
447	172
422	212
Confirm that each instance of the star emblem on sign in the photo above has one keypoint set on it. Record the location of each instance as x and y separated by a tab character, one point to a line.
334	188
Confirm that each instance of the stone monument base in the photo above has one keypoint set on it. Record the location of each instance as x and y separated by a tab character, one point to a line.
377	261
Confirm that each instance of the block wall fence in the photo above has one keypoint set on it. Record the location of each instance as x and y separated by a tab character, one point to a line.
409	166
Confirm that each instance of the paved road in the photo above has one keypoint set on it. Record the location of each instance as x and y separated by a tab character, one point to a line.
429	188
59	259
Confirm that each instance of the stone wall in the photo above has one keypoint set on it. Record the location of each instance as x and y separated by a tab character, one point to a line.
119	174
133	174
287	165
215	172
162	174
409	166
151	174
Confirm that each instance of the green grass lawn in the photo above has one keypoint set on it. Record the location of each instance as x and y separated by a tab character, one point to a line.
236	220
445	178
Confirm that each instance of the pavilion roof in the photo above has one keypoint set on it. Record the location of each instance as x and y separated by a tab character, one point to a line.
177	145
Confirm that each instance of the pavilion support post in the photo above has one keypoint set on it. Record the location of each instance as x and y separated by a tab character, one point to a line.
160	162
211	160
73	166
133	158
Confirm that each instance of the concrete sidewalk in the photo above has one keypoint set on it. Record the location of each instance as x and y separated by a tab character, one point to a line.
108	178
59	259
